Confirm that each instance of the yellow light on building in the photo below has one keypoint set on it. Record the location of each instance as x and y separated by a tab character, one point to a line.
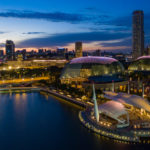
9	67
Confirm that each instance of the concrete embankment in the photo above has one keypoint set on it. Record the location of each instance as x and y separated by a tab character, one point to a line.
68	99
38	89
120	136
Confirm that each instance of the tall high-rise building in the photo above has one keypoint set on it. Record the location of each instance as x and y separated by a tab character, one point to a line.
148	50
78	49
10	50
1	53
23	52
138	34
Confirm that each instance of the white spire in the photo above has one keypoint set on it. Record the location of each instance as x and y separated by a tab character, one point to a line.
95	105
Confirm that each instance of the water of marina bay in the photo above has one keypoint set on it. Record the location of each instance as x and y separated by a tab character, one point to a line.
35	121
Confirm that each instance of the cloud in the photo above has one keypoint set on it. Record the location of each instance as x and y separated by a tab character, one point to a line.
103	28
122	42
56	16
124	21
50	16
2	45
1	32
33	32
67	38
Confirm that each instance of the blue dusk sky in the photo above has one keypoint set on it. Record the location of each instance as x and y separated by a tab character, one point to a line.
99	24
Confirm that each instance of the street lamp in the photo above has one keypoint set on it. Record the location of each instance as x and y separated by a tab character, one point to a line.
113	86
9	67
128	87
143	93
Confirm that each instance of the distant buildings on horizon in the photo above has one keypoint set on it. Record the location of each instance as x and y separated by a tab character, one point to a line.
10	50
78	49
59	53
138	48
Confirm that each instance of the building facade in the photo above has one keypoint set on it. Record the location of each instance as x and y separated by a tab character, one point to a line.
148	50
138	34
10	50
81	72
78	49
33	64
61	52
1	53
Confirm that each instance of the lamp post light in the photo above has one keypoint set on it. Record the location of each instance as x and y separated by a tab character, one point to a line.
9	67
143	88
128	87
113	86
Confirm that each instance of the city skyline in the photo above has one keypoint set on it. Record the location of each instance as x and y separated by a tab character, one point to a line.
74	75
51	24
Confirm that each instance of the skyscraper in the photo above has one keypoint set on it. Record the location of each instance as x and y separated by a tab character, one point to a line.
138	34
10	50
1	53
148	50
78	49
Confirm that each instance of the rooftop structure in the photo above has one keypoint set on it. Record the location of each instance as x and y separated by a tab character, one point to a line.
125	117
112	108
129	99
93	59
140	64
80	69
115	110
78	49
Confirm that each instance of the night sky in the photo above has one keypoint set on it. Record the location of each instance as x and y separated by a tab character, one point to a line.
100	24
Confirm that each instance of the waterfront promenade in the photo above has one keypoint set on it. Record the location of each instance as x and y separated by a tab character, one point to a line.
19	89
46	90
67	98
119	135
113	134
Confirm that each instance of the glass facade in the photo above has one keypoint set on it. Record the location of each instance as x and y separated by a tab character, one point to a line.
95	68
141	64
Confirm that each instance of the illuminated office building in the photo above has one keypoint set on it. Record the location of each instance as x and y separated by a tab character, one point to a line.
78	49
10	50
138	34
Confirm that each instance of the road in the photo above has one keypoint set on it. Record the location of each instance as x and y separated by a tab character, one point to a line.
23	80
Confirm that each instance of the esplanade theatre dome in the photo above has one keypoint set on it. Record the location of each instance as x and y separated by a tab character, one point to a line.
141	64
84	67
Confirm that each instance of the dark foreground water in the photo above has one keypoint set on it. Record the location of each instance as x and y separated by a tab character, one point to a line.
32	121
